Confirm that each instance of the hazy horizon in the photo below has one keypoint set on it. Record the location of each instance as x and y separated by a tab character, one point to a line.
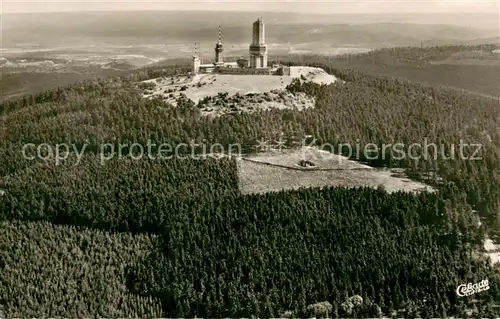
291	6
253	11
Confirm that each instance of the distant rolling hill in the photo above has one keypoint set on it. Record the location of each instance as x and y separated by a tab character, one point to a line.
17	84
471	68
493	40
134	28
85	45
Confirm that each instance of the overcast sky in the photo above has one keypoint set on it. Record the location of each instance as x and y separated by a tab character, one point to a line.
325	6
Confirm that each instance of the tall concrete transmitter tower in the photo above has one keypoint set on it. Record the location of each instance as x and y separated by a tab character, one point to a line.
196	60
258	48
218	50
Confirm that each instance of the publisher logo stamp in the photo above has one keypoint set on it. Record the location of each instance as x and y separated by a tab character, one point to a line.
470	289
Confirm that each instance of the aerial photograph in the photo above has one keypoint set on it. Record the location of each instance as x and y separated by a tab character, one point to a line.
249	159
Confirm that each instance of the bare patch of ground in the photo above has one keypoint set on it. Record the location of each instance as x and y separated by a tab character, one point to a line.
200	86
232	84
311	167
310	74
492	250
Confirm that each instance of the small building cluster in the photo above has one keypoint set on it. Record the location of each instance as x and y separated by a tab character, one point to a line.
256	64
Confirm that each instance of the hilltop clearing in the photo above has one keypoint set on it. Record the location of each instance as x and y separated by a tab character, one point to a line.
264	91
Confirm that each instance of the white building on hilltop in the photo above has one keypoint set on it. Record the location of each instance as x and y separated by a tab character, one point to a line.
256	64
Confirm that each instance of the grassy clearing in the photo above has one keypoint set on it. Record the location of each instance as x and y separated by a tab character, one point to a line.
276	171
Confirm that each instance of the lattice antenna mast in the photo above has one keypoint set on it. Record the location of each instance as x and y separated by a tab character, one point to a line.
220	34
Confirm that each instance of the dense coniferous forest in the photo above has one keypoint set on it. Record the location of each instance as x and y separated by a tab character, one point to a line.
266	254
59	271
124	195
219	253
